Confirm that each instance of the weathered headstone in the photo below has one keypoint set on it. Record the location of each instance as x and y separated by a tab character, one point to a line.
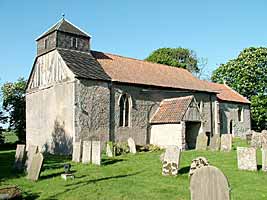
19	157
226	142
87	152
202	142
215	142
197	163
171	161
76	154
32	150
131	145
264	137
109	150
264	157
96	153
209	183
256	140
35	167
246	158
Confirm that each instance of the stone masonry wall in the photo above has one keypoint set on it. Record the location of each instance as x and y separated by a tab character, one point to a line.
228	112
92	105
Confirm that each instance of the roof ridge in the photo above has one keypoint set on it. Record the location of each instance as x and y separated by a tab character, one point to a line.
179	98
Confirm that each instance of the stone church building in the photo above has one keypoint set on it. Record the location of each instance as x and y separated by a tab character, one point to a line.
75	93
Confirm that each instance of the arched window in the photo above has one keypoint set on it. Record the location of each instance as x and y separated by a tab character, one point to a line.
231	126
125	104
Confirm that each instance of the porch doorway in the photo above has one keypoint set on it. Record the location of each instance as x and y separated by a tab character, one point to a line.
191	133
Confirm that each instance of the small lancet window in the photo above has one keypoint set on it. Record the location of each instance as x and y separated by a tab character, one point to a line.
46	43
74	42
240	114
124	105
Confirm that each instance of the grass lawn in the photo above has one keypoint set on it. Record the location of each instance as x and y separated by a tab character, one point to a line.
131	177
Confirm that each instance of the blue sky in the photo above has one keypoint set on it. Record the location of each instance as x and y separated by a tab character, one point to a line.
216	30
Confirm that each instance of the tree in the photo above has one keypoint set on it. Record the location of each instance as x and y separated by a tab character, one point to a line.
247	74
2	121
176	57
14	105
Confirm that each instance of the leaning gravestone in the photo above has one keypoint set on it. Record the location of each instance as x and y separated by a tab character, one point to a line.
197	163
246	158
76	154
264	157
32	150
87	152
35	168
215	142
19	157
226	142
202	141
171	161
109	150
96	153
131	145
209	183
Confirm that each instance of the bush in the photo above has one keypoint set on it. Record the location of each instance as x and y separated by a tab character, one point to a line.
149	148
120	148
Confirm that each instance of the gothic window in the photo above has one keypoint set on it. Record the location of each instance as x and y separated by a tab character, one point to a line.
124	105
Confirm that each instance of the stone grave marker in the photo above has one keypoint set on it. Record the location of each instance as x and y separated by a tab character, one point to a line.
256	139
76	154
226	142
197	163
32	150
246	158
109	150
209	183
202	142
19	157
96	153
87	152
264	157
131	145
35	167
171	161
215	142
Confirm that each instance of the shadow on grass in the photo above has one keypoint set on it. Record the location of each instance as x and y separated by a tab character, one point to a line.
76	185
30	195
110	161
259	167
184	170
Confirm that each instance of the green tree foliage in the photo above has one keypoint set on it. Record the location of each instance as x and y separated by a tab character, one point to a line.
247	74
2	121
176	57
14	105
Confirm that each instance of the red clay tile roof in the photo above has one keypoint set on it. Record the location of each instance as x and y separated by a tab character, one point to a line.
225	93
172	110
129	70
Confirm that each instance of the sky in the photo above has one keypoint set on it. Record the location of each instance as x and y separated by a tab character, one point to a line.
215	30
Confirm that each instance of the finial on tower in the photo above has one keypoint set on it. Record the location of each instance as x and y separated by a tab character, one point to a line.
63	15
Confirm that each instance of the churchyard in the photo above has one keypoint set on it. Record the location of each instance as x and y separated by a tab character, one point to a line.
132	176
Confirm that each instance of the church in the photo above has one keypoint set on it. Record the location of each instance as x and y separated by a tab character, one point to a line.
76	94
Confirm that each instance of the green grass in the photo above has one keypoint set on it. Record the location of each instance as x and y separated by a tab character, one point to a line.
131	177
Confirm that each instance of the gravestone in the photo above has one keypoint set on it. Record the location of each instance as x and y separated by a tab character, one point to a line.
109	150
226	142
76	154
87	152
171	161
264	137
35	167
197	163
209	183
264	157
96	153
131	145
32	150
215	142
246	158
202	142
19	157
256	140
